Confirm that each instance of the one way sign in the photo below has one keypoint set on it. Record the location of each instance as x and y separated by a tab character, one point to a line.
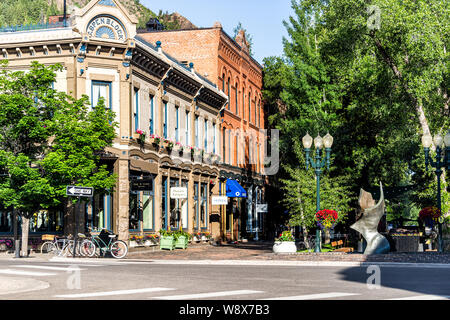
74	191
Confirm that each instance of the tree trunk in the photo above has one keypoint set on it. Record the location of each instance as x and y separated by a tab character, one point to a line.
25	230
327	236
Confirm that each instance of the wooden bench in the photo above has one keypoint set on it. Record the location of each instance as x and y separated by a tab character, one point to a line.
339	247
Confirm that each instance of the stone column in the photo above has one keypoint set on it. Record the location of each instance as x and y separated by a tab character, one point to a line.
124	200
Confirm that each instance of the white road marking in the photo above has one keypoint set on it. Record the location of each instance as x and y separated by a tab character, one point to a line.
26	273
49	268
424	297
207	295
111	293
316	296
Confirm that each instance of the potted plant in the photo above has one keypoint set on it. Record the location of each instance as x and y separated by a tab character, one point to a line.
181	239
205	236
139	135
167	240
155	139
196	236
178	147
132	241
168	144
285	243
150	240
429	216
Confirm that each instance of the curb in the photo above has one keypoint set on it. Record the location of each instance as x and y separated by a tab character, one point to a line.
289	263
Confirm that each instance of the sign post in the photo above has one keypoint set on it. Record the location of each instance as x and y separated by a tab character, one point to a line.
79	192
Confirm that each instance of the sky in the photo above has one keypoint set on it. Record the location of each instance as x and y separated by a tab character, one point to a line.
263	19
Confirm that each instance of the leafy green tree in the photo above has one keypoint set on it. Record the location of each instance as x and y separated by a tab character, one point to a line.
48	141
384	82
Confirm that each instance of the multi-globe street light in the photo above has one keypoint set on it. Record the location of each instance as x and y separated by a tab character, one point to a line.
318	164
442	161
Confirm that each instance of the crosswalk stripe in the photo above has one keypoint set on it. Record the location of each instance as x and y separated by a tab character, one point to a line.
424	297
315	296
207	295
49	268
26	273
111	293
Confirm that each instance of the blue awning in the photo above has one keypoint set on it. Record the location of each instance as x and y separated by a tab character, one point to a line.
235	190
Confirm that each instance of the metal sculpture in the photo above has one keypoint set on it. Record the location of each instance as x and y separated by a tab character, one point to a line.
367	225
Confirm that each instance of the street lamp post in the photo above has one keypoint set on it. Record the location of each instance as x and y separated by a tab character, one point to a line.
442	161
318	164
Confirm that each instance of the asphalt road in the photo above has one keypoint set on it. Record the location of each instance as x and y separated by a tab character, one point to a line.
108	279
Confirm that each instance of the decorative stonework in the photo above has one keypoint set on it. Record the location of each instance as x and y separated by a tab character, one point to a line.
106	27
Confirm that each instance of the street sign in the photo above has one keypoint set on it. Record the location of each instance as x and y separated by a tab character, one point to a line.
74	191
262	207
219	200
178	193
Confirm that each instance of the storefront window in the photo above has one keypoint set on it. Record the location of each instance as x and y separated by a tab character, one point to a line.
184	203
6	221
196	207
174	207
148	210
46	221
164	203
99	213
204	206
135	210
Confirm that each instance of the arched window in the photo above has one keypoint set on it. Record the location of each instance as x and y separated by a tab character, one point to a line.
249	106
236	98
229	94
243	103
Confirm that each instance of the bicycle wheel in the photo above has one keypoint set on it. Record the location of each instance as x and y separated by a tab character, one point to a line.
48	247
87	248
69	248
119	249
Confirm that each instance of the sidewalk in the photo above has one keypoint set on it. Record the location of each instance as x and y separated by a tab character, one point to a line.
263	251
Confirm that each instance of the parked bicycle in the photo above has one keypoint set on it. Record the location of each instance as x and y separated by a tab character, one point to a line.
309	244
63	246
103	243
6	244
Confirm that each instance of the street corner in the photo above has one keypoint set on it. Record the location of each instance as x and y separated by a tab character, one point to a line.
10	285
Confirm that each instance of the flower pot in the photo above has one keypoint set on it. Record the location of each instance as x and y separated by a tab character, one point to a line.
167	243
182	242
284	247
133	244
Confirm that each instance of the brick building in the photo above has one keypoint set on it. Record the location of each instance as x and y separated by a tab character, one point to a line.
227	63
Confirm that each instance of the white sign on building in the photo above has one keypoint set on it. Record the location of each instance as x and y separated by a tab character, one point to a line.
178	193
262	207
219	200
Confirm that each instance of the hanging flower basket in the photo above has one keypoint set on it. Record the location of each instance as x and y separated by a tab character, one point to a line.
326	219
430	216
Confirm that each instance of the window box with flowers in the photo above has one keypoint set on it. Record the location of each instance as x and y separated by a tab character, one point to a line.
285	243
205	236
151	240
136	241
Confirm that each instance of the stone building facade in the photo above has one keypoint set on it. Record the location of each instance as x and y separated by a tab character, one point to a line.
103	56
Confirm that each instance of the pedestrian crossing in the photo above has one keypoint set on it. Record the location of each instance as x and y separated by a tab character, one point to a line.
53	269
